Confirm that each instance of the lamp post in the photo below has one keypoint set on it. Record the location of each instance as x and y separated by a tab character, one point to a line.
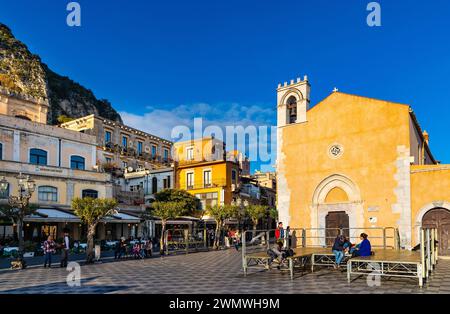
19	204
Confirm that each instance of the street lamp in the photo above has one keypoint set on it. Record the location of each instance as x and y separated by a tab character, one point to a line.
19	204
3	185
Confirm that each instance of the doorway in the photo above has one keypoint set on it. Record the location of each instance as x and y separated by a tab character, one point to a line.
439	218
334	221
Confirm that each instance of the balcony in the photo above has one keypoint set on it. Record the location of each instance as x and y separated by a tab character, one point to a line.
196	185
131	152
203	159
52	171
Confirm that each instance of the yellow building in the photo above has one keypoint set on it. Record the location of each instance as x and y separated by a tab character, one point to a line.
203	169
357	162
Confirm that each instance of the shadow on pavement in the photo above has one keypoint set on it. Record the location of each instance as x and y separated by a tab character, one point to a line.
62	288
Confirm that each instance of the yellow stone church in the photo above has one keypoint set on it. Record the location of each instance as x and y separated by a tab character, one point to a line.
357	162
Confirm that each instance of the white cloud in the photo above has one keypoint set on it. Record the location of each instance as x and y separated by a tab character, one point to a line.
160	122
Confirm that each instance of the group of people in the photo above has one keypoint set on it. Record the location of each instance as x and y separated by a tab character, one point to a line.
139	250
50	246
343	246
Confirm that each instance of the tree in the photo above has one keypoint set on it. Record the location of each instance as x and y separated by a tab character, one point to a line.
255	213
166	211
17	214
63	119
220	213
273	213
91	211
189	201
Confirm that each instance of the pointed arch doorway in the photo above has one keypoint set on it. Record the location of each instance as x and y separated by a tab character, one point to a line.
336	204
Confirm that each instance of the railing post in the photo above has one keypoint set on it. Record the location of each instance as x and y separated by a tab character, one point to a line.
384	238
303	237
428	252
186	240
433	251
436	247
166	243
244	248
422	251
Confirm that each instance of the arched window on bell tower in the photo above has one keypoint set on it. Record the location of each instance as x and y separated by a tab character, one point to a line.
291	105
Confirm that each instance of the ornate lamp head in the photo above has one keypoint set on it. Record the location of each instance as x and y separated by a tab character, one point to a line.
30	185
3	185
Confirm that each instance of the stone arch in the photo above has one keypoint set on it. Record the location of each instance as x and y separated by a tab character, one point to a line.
291	92
352	207
336	181
290	103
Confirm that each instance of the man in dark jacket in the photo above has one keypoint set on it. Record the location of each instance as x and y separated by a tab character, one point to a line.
65	248
338	250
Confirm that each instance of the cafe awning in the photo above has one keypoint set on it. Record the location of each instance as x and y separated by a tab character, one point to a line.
57	215
122	218
184	220
52	215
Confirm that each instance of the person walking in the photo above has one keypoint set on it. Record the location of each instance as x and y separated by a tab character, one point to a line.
65	248
279	232
149	248
237	240
49	249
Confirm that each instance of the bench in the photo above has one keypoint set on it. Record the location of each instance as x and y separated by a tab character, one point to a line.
301	257
389	263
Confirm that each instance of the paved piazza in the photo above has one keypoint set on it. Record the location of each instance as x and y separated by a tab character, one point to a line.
207	272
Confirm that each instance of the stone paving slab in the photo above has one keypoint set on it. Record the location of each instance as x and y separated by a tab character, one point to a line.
209	273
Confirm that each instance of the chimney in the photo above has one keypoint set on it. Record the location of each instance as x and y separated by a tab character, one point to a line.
426	136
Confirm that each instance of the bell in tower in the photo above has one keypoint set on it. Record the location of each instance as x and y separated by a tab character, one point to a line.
293	101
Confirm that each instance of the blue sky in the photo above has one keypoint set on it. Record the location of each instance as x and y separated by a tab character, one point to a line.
162	63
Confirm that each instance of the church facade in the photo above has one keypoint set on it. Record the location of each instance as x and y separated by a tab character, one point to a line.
357	163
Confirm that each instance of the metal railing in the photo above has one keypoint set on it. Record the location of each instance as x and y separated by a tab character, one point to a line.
200	184
429	252
324	237
200	159
261	240
185	241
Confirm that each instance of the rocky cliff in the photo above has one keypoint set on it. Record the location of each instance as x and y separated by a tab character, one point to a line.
24	73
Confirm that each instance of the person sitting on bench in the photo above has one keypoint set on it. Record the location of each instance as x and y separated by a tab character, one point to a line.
338	250
276	252
364	248
348	246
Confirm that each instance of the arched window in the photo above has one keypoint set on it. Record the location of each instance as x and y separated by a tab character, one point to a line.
292	109
22	117
154	185
38	156
48	194
77	162
89	193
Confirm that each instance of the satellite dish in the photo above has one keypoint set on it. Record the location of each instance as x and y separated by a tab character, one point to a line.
130	169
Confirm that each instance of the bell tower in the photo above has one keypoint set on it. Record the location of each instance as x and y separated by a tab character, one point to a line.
293	101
